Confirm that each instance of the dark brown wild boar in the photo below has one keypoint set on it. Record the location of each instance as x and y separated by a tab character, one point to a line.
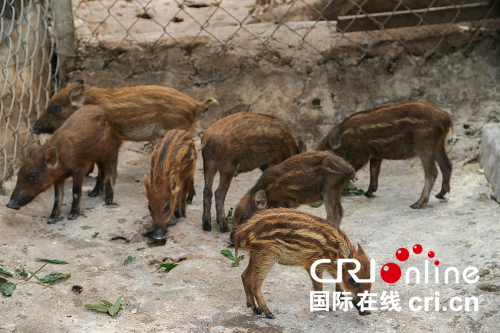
173	164
294	238
395	132
302	179
143	113
237	144
84	139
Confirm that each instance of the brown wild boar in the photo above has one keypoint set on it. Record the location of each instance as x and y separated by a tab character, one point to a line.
237	144
143	113
173	164
395	132
295	238
84	139
302	179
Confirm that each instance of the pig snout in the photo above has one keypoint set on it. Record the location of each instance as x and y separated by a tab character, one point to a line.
13	205
363	312
159	234
35	130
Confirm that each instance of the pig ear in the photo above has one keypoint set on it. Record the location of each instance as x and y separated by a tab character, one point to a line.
146	183
174	188
302	147
361	252
260	199
34	145
334	138
77	94
345	252
51	157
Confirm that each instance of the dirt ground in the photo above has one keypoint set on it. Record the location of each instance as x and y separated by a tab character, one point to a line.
204	294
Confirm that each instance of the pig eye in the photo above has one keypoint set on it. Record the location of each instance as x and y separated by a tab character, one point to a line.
352	282
56	108
33	177
167	208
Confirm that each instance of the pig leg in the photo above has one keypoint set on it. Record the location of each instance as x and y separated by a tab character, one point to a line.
374	172
109	168
259	273
245	277
77	194
58	198
429	164
99	184
331	200
317	286
183	197
209	173
220	196
116	143
446	167
191	192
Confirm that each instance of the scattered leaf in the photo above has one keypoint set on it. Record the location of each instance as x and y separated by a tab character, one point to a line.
54	261
464	27
53	277
351	190
168	266
129	259
230	213
134	311
25	274
108	306
8	288
2	271
316	204
87	240
94	235
229	254
36	277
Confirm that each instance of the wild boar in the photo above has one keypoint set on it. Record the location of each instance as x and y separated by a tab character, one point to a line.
85	138
173	164
143	113
396	132
301	179
237	144
295	238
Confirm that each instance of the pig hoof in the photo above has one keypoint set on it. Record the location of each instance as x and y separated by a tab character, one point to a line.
416	206
109	201
249	305
177	214
369	194
257	311
364	313
207	226
51	221
72	216
270	315
440	196
231	241
93	193
189	201
183	213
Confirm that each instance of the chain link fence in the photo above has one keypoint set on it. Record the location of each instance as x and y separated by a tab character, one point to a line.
26	80
322	25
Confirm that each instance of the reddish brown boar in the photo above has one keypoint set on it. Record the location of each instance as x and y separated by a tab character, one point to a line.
302	179
395	132
294	238
173	164
237	144
143	113
84	139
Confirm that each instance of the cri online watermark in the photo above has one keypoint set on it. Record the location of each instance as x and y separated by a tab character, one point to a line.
391	273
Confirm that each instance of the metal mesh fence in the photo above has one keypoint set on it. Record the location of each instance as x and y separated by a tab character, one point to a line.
323	25
26	80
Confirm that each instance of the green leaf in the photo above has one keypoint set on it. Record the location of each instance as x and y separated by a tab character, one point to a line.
94	235
129	259
96	306
25	274
106	302
36	277
8	288
168	266
2	281
227	253
2	271
54	261
117	306
316	204
53	277
235	264
230	213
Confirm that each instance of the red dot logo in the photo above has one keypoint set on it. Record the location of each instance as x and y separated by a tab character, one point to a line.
430	254
436	262
402	254
390	273
417	248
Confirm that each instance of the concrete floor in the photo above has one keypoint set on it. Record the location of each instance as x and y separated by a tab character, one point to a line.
204	294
